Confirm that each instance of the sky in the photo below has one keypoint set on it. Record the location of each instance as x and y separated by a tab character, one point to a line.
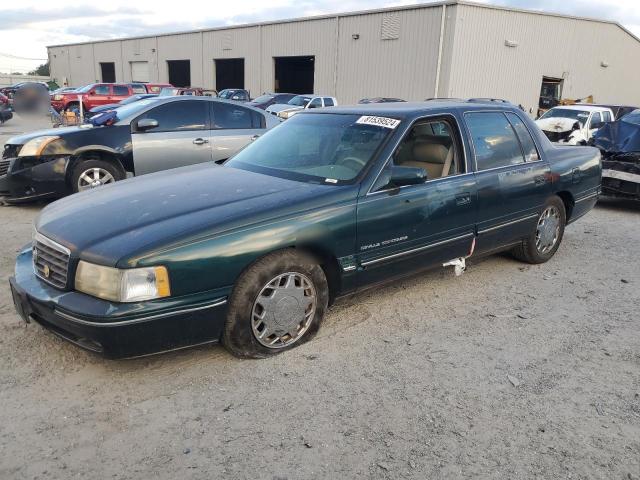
28	26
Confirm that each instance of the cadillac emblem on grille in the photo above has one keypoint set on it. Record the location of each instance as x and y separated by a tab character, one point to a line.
46	270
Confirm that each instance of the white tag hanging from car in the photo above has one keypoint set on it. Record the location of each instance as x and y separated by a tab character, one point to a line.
378	121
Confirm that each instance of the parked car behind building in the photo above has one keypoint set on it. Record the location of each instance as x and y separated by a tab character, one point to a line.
149	135
332	201
299	103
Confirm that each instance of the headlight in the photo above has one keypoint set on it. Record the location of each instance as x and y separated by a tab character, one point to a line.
35	147
122	285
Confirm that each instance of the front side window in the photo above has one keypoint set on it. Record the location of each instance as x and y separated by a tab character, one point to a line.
299	101
494	140
606	117
429	145
315	103
330	149
526	140
101	90
178	116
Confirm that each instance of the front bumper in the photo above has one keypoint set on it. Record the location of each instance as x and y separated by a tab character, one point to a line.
621	178
117	330
22	183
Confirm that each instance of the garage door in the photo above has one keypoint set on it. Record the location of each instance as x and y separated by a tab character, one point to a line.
139	71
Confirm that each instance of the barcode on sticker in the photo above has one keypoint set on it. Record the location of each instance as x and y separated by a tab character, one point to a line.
378	121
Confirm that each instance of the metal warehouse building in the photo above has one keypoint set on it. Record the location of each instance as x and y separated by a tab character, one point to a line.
446	49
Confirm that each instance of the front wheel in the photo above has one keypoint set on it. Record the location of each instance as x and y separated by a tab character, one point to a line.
277	303
92	173
545	240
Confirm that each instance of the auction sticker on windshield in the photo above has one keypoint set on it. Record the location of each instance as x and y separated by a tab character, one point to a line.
379	121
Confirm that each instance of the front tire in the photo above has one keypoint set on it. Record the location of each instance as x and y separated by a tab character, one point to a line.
547	235
277	303
92	172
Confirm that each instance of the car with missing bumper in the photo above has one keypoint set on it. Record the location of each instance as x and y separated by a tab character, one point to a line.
328	203
146	136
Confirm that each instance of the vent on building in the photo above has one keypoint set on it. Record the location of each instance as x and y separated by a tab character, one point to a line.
390	26
227	42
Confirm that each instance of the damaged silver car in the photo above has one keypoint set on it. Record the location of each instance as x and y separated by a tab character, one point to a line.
573	124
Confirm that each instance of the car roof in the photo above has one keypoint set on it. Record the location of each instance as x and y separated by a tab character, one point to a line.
414	109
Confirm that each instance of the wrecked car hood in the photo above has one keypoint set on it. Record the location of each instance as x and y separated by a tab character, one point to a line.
557	124
621	136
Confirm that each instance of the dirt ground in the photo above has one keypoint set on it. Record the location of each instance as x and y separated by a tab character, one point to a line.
509	372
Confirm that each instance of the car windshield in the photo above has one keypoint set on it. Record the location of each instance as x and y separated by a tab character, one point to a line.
299	101
580	115
263	98
134	108
326	148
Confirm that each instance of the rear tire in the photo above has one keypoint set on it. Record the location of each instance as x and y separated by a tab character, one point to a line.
547	235
93	172
277	304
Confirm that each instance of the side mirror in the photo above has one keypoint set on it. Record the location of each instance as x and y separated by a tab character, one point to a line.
146	124
401	176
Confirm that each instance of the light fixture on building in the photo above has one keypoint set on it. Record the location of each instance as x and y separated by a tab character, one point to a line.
355	36
510	44
604	64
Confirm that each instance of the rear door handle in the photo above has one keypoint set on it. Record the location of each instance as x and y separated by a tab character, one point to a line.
200	141
463	199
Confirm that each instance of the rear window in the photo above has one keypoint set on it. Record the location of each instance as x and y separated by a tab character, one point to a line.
494	140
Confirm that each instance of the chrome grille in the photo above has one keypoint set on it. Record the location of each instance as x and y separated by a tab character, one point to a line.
4	167
50	261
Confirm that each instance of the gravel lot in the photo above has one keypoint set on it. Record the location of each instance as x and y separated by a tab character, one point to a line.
509	371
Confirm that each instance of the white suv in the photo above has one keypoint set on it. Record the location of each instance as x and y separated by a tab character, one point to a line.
573	124
299	103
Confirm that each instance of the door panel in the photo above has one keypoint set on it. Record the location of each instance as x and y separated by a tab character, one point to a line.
415	227
225	143
153	152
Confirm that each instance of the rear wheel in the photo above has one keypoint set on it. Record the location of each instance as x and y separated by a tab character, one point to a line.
276	304
545	240
93	172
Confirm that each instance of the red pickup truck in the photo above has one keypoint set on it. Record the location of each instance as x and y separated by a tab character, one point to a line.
96	94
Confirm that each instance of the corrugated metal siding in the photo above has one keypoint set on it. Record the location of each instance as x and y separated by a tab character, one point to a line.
105	52
181	47
404	67
547	45
59	64
140	50
243	43
309	37
80	61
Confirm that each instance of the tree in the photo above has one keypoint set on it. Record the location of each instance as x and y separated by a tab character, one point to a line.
42	70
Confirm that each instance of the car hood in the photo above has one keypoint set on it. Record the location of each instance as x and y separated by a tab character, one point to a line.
556	124
59	132
118	222
281	107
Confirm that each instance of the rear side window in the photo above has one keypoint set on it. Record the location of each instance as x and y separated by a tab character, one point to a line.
229	116
596	120
179	116
328	102
606	116
494	140
121	90
526	140
101	90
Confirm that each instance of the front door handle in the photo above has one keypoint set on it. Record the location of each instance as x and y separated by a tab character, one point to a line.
463	199
200	141
255	137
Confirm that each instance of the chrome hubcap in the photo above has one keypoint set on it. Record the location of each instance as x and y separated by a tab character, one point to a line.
94	177
283	310
548	229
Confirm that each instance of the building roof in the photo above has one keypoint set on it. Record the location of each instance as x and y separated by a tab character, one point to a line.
355	13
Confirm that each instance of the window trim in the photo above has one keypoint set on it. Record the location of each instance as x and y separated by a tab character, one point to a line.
433	116
520	140
207	125
473	147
